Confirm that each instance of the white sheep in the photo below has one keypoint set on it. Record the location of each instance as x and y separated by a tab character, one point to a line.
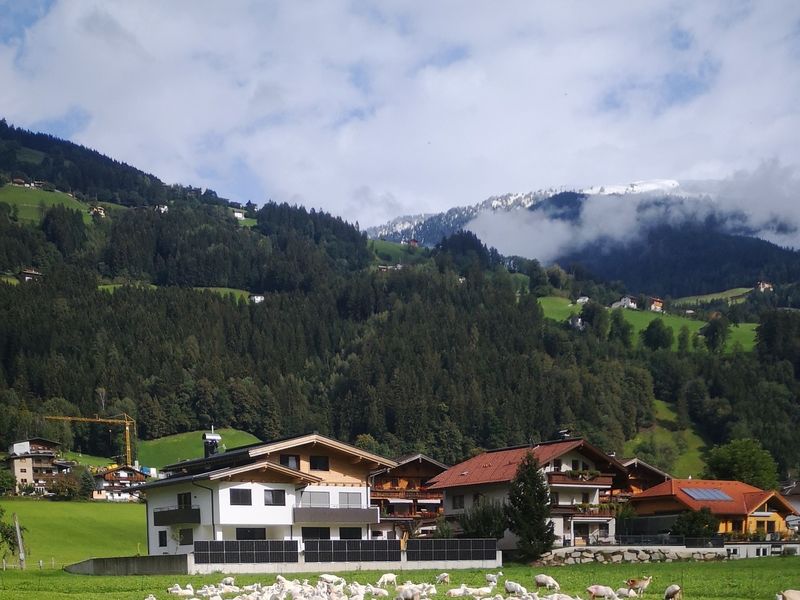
228	581
626	593
639	585
332	579
443	578
376	591
493	577
457	592
788	595
481	591
546	581
602	591
673	592
386	579
515	588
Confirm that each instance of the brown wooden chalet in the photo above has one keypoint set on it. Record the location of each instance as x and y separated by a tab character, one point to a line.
402	495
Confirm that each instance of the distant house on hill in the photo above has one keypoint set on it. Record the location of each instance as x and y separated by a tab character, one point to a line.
34	462
238	213
97	210
256	298
114	484
764	286
740	508
26	275
656	304
582	300
625	302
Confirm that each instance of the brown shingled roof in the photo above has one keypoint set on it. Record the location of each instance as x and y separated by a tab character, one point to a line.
498	466
744	498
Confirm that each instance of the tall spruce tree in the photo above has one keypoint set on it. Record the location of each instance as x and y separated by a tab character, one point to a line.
528	509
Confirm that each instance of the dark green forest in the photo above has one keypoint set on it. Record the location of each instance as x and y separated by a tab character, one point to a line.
446	358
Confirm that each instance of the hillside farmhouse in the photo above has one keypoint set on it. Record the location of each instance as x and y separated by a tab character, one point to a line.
114	484
625	302
34	462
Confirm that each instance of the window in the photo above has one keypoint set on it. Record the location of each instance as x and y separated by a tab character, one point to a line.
317	500
553	497
350	500
349	533
316	533
291	460
185	500
576	464
585	497
23	470
251	533
274	498
458	501
241	497
162	539
556	464
186	537
319	463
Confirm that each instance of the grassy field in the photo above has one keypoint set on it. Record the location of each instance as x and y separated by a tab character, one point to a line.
224	291
67	532
559	309
29	201
393	253
87	459
689	462
735	580
113	287
9	279
732	295
172	448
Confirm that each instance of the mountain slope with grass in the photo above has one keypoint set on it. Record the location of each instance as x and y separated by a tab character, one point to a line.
184	446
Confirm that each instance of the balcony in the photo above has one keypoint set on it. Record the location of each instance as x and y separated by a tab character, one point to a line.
582	510
565	478
176	515
336	514
377	494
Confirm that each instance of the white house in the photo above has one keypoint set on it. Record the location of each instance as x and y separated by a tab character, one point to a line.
582	300
579	475
256	298
114	485
300	488
625	302
238	214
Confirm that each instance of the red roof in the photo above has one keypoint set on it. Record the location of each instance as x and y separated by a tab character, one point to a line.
744	498
500	466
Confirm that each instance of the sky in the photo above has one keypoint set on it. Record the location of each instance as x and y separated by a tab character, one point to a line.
371	110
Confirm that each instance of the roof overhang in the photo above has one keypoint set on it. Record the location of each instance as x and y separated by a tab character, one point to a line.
315	438
264	465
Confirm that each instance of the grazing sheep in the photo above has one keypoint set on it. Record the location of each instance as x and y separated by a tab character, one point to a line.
386	579
493	577
673	592
639	585
626	593
788	595
602	591
515	588
332	579
443	578
150	597
228	581
481	591
546	581
377	592
457	592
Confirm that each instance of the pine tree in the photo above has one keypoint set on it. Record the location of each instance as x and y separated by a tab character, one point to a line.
528	509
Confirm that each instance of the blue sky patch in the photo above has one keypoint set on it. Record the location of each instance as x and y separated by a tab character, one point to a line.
16	16
67	125
680	87
680	39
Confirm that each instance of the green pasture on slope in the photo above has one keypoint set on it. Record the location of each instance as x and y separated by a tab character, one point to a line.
732	295
67	532
226	291
559	309
31	201
11	280
87	459
181	446
393	253
749	579
690	461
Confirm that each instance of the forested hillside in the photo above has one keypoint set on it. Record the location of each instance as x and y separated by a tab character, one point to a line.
445	357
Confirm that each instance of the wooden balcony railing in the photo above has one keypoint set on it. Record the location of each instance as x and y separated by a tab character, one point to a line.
604	479
407	494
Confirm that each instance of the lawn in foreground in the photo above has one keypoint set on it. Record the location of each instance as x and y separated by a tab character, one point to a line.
728	580
67	532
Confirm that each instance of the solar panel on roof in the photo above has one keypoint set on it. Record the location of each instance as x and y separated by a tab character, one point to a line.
706	493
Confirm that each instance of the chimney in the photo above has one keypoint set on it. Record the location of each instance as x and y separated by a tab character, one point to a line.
211	443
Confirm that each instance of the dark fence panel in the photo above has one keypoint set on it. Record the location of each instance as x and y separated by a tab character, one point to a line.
452	549
351	550
246	551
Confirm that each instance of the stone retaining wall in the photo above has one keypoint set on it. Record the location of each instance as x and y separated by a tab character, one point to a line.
629	554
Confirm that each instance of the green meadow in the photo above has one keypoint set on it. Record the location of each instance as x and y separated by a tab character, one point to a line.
731	295
759	578
31	203
183	446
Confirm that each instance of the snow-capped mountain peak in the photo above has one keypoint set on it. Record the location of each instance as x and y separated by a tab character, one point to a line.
636	187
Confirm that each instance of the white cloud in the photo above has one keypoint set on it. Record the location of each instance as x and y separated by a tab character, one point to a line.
370	110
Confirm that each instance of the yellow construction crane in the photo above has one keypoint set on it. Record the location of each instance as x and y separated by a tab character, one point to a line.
125	420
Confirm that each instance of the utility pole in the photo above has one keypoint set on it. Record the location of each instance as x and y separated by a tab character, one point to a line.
20	547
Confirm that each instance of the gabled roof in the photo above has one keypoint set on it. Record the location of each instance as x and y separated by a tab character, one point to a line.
38	439
245	454
102	472
744	498
408	458
500	466
639	463
263	465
